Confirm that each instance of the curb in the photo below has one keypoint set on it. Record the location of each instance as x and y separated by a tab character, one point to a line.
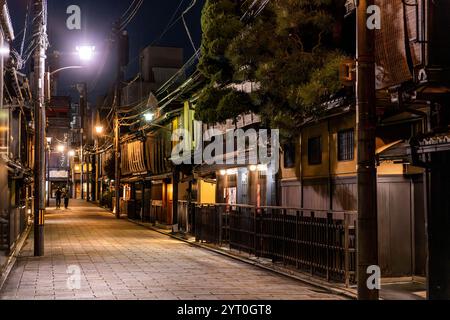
327	287
7	267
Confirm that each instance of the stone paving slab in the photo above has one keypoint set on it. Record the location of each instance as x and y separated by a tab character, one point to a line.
119	260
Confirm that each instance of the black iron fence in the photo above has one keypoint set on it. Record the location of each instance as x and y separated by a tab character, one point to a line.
12	225
156	212
320	242
184	216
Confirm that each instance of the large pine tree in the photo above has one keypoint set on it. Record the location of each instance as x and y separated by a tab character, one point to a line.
290	50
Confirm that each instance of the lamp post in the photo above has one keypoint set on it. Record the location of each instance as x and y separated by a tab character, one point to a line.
39	36
70	155
98	131
366	121
85	54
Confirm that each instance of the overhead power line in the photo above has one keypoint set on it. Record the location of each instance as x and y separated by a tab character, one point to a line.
128	10
125	22
187	28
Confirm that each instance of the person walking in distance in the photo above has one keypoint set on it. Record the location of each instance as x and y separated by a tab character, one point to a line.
66	199
58	195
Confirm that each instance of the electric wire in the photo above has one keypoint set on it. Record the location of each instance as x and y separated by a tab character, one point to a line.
129	8
187	28
127	21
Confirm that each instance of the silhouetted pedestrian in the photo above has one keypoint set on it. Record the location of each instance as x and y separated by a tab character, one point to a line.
58	195
66	199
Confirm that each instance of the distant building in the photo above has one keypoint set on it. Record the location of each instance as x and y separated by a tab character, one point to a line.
157	65
58	122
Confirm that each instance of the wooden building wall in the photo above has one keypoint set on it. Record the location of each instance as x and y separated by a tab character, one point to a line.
331	185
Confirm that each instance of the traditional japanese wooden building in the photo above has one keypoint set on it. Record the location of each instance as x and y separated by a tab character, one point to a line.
16	151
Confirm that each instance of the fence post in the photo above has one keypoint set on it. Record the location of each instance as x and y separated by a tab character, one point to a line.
328	246
284	236
272	235
347	249
255	250
238	224
297	239
197	224
193	214
187	217
312	233
227	227
10	225
220	214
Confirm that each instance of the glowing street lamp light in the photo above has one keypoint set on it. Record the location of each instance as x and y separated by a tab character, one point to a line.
71	153
149	116
4	50
60	148
86	52
49	140
99	129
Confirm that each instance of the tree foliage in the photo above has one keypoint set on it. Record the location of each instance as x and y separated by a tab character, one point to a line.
290	51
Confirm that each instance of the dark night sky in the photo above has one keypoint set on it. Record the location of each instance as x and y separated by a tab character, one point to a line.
97	18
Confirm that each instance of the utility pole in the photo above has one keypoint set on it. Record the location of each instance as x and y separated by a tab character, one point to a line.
49	155
121	37
116	164
93	176
88	178
97	170
40	32
367	229
82	90
82	169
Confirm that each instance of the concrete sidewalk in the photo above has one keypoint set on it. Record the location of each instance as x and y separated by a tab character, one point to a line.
121	260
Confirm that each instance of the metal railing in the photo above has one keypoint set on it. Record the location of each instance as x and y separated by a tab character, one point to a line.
184	216
156	212
320	242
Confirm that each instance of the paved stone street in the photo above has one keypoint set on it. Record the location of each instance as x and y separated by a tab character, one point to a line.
120	260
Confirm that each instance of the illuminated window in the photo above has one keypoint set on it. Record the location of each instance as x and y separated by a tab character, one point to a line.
346	145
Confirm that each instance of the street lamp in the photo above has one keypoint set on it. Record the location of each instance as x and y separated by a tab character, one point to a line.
61	148
86	52
65	68
4	50
149	116
99	129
